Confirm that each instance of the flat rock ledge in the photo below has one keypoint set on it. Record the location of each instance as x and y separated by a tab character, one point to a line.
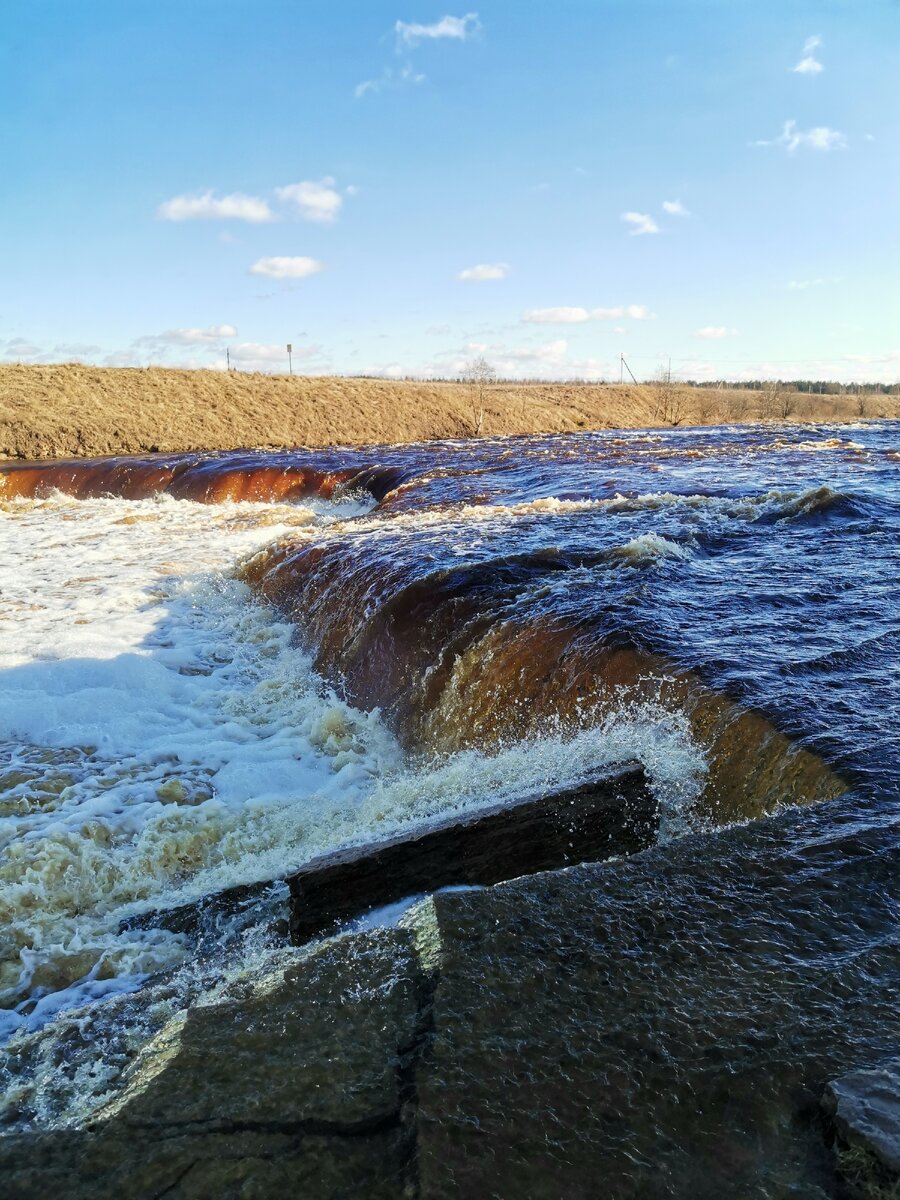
657	1028
863	1110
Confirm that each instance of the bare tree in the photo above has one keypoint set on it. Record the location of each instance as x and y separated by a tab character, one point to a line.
862	402
777	401
668	398
478	374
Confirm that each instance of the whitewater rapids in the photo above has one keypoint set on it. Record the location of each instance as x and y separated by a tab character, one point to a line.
165	737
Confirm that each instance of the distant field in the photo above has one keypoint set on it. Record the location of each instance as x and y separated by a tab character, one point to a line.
74	410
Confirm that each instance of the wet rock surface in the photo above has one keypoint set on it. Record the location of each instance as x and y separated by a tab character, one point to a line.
612	815
301	1079
863	1108
662	1026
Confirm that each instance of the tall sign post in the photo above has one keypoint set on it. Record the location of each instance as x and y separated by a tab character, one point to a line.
290	360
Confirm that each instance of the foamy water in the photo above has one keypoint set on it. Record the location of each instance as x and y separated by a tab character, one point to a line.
165	738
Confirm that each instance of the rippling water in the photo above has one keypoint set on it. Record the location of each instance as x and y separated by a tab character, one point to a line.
213	668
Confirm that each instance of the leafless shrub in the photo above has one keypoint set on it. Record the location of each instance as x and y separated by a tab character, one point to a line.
738	406
478	374
706	406
777	402
669	398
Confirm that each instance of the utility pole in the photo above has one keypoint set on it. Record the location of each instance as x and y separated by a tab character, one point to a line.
227	358
621	367
290	360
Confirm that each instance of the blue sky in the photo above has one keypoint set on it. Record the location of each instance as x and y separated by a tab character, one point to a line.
396	188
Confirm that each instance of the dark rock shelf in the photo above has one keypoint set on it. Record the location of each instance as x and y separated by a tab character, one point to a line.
608	816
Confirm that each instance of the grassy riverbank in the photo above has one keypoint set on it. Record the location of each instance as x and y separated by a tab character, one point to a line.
70	409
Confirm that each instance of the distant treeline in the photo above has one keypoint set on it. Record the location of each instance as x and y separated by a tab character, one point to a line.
820	387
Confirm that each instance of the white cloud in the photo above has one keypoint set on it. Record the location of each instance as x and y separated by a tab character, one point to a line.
577	315
892	356
19	349
277	353
818	138
675	208
456	28
637	312
207	207
273	357
556	316
389	78
483	272
809	64
212	335
281	266
640	223
713	332
315	200
800	285
77	351
549	352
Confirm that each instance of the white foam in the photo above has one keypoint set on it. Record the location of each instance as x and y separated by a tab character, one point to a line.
184	743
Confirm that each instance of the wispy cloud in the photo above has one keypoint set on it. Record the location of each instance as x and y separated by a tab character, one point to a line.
820	137
892	356
800	285
314	200
287	267
675	208
556	316
809	64
549	352
483	272
455	28
640	223
19	349
389	78
578	315
714	332
260	353
409	35
212	335
206	206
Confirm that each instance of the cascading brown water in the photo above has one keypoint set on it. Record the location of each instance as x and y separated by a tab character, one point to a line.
476	657
206	479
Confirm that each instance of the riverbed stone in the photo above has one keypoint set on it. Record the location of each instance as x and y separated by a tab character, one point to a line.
655	1028
298	1078
659	1027
864	1110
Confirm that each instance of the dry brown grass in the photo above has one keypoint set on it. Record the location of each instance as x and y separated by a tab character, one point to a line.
74	410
